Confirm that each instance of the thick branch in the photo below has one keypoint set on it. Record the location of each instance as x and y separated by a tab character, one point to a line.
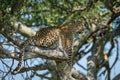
36	53
23	29
46	53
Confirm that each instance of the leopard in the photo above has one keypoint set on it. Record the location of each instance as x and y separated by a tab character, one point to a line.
61	36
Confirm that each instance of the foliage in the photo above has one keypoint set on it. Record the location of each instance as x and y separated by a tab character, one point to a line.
101	20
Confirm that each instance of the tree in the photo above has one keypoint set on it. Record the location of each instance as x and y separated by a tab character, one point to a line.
99	40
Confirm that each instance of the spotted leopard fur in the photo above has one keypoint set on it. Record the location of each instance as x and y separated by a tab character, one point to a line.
46	37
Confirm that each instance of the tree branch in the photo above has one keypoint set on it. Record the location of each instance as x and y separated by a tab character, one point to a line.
45	53
34	52
26	31
35	68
